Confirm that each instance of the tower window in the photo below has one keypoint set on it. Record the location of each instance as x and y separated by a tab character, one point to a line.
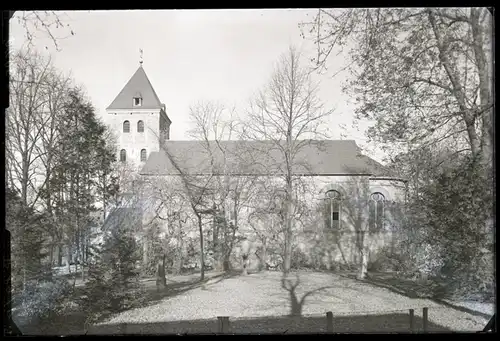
123	155
140	127
137	101
126	127
143	155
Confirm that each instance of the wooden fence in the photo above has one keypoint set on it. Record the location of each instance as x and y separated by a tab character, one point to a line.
224	324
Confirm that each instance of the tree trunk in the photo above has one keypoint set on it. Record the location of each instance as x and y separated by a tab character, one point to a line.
59	255
364	252
226	255
245	265
68	258
364	264
164	270
202	253
341	250
145	250
51	261
82	261
161	280
245	255
485	92
87	242
263	255
177	267
287	259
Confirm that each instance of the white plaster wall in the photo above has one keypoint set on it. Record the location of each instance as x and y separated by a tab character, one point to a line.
133	142
318	241
392	189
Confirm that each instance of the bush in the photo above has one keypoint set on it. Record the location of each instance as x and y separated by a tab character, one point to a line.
475	282
299	260
42	299
385	261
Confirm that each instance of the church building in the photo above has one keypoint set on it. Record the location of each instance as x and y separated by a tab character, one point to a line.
358	196
139	120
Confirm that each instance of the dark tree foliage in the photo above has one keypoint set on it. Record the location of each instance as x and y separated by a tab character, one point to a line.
113	278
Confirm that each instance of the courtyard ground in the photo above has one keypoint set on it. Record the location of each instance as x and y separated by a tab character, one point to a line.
258	303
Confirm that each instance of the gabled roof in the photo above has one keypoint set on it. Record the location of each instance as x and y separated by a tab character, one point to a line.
138	84
125	217
328	157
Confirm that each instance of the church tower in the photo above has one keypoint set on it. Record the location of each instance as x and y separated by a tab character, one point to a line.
139	120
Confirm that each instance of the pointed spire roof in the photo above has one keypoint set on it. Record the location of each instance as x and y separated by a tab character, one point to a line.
138	84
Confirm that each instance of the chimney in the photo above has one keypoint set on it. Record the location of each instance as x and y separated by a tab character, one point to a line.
164	107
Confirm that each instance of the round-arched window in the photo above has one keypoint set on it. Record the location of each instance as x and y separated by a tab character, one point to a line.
332	194
377	211
332	209
126	127
140	127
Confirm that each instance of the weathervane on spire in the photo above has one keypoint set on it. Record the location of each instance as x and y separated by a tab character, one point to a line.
140	58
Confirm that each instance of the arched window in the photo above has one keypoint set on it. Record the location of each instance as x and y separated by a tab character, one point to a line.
143	155
377	211
140	127
333	200
126	127
123	155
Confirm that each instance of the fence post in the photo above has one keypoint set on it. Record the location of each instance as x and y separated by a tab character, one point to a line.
425	315
223	324
123	328
412	320
329	322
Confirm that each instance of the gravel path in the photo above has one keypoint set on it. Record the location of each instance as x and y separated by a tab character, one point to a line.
485	308
250	300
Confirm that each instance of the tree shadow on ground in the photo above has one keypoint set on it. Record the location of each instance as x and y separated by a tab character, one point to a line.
384	323
297	304
412	289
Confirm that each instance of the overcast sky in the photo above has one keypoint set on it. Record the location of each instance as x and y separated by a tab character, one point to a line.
223	55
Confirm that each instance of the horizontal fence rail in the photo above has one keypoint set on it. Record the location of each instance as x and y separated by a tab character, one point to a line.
427	319
224	325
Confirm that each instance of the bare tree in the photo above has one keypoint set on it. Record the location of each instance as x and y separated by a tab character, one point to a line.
197	189
214	127
39	95
166	227
48	23
28	112
266	221
287	114
57	86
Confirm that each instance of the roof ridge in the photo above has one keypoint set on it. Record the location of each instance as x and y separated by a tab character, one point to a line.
151	85
138	83
336	157
258	141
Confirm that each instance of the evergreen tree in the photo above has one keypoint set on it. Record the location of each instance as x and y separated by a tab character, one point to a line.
113	278
27	241
82	162
35	292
